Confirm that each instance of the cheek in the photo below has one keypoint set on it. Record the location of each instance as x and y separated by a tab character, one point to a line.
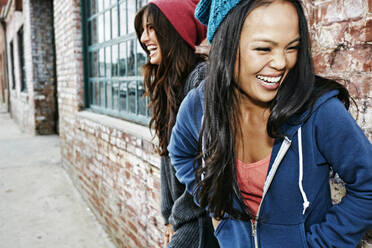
292	60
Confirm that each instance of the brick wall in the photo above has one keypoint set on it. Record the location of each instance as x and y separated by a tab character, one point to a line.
35	108
110	161
341	33
42	71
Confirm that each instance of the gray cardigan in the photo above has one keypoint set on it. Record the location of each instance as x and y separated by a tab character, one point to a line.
177	205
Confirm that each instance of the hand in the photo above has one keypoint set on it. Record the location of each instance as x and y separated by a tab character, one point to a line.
203	48
168	233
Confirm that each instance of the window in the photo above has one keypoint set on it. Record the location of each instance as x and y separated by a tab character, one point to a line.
21	60
11	48
114	59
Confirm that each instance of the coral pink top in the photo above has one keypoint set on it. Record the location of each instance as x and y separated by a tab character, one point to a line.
251	179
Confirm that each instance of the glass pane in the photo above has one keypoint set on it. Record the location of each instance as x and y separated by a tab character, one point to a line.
114	25
108	25
123	18
123	96
131	14
100	26
115	61
141	3
108	61
108	95
93	28
115	92
141	58
95	94
100	5
93	7
123	59
93	57
132	87
141	99
131	60
101	62
102	94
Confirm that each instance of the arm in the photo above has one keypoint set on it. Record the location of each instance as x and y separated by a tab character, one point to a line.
344	145
166	196
183	145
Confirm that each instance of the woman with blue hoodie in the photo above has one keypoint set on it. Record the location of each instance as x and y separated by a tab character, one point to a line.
168	31
256	141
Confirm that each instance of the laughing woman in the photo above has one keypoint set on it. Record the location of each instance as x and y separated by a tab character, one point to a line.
262	133
169	32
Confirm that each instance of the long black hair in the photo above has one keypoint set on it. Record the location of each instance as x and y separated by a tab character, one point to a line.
165	82
221	113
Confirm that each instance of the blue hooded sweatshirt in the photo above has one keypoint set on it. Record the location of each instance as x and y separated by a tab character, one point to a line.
296	208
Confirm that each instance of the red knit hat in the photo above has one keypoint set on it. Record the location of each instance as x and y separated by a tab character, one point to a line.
180	13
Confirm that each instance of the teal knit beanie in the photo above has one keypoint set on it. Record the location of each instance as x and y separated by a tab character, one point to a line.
212	13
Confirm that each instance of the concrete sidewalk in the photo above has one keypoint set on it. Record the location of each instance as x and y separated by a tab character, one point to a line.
39	206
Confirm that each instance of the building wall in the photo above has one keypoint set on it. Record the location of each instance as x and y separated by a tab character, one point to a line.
112	162
21	103
35	108
341	33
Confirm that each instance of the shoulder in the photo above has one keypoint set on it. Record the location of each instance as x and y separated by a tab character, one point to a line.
195	77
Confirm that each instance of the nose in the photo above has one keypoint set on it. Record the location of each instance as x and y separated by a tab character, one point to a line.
279	61
144	36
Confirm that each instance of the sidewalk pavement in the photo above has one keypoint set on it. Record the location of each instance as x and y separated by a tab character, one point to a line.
39	206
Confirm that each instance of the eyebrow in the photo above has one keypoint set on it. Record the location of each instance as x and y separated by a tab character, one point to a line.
275	43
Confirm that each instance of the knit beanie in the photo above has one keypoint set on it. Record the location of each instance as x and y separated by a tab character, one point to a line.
212	13
180	13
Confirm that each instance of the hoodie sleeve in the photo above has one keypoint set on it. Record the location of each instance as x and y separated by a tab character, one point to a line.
348	151
183	145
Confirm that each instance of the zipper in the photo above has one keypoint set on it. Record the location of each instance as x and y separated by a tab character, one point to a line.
282	151
254	233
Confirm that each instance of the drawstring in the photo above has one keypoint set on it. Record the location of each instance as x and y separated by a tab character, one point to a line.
203	150
301	168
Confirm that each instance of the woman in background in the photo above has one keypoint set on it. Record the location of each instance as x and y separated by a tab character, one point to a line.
169	32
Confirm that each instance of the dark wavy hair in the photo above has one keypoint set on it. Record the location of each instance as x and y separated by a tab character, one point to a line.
221	122
165	82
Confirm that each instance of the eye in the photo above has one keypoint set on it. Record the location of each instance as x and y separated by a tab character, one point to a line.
263	49
293	48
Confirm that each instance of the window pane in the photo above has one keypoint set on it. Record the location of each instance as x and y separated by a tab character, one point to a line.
108	95
115	61
141	58
100	31
108	61
93	29
102	94
123	59
141	100
99	5
92	7
107	25
131	14
123	96
131	59
115	92
140	4
123	18
132	96
101	65
95	93
93	58
114	25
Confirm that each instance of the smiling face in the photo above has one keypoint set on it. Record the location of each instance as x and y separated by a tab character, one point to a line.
267	50
150	41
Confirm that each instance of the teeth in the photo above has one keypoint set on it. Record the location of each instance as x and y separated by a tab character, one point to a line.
151	48
270	79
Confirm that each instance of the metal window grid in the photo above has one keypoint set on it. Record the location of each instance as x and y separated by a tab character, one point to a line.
113	59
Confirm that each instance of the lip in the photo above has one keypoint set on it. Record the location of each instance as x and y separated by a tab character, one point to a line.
270	86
